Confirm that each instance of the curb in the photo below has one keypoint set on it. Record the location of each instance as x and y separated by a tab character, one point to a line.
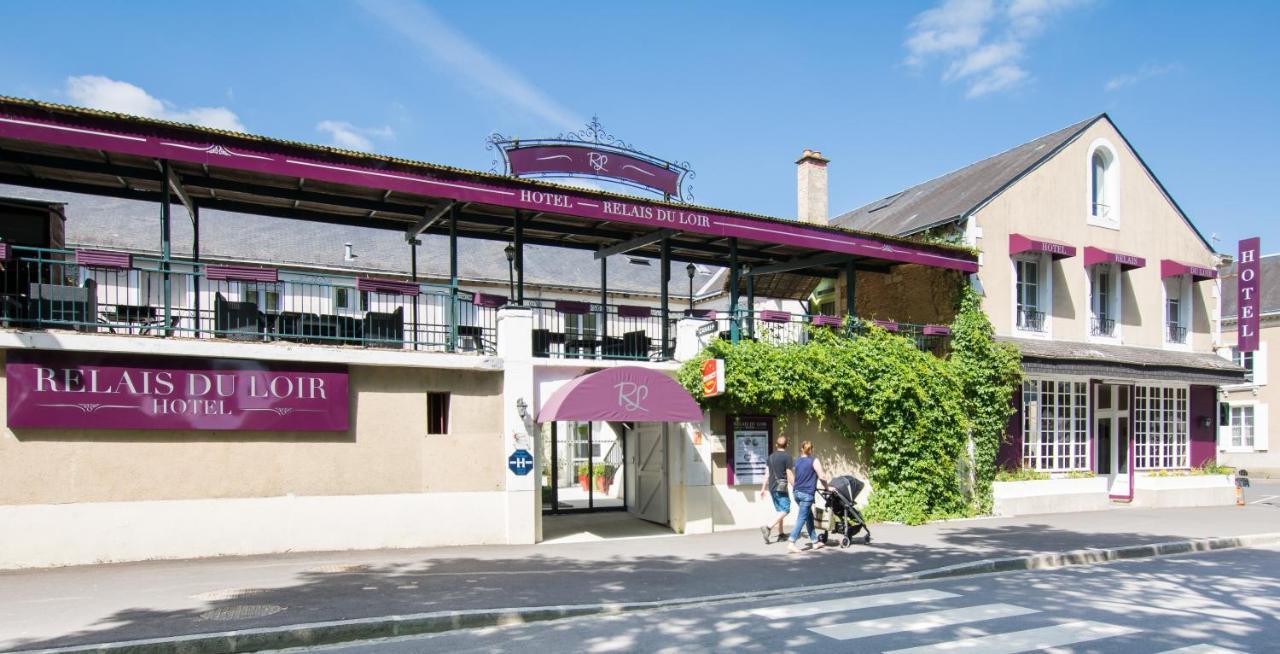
340	631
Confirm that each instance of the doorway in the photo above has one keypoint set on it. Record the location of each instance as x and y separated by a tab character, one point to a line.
647	459
1114	448
585	469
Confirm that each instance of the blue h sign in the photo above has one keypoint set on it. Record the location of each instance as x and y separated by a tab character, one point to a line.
520	462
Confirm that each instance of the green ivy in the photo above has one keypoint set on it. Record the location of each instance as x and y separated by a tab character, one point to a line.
919	411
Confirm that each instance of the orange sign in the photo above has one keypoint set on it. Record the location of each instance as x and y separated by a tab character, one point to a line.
712	377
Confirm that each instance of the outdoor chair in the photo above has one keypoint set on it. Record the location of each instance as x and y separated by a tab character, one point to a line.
384	329
64	306
541	342
239	321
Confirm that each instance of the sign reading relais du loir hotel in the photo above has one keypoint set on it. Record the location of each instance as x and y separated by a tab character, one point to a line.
87	391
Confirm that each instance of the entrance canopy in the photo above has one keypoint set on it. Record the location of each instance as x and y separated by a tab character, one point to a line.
622	394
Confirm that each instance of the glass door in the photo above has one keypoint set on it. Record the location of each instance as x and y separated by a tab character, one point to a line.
1111	432
585	467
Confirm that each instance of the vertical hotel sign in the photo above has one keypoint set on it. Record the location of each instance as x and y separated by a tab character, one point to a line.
1247	295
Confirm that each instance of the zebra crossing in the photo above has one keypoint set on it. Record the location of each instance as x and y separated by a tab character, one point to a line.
926	623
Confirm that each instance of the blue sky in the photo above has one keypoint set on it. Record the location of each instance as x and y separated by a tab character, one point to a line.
894	93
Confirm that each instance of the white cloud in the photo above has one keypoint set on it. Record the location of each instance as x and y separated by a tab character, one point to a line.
347	136
983	42
453	51
1147	71
122	97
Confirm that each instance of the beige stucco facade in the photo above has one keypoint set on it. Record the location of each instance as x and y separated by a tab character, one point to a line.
1257	396
1053	202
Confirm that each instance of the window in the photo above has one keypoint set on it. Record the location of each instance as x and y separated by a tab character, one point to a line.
1244	360
437	413
1104	303
1103	185
1241	421
1030	316
342	297
1160	428
1055	425
1101	162
1175	309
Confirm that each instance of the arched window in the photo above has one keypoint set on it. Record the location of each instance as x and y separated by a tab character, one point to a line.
1100	195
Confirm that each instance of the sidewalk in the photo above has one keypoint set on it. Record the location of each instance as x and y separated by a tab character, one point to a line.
111	603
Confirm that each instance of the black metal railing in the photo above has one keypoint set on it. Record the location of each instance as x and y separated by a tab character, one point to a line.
1103	327
583	330
120	294
1177	333
1030	319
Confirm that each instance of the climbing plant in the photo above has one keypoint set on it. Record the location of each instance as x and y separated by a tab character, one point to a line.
913	412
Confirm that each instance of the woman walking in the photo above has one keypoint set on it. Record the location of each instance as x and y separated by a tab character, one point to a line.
808	472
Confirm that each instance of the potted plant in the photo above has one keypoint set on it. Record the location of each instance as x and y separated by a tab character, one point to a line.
604	477
584	476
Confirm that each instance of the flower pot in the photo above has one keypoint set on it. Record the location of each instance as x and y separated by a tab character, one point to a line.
603	484
586	483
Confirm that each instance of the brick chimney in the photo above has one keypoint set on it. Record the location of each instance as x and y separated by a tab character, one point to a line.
811	188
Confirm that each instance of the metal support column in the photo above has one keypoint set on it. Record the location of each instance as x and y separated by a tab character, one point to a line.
196	273
413	276
666	292
166	253
733	290
519	243
604	304
751	306
850	289
453	278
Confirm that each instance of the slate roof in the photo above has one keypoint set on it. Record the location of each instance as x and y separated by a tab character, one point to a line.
1268	283
951	196
95	221
1124	360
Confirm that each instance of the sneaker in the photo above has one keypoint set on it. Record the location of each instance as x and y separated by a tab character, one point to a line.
764	531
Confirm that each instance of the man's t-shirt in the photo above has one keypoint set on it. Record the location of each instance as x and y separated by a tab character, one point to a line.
779	463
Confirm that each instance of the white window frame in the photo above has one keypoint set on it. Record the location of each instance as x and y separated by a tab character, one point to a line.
1044	295
1062	442
1184	311
1161	426
1226	432
1111	185
1114	305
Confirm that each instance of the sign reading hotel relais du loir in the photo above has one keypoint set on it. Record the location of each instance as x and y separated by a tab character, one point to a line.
87	391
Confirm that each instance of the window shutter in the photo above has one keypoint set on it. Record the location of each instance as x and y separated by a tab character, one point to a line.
1260	364
1260	440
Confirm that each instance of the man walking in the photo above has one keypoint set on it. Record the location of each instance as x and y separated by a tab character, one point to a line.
780	478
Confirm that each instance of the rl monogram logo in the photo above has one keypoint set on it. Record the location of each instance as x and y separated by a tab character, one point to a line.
597	161
631	394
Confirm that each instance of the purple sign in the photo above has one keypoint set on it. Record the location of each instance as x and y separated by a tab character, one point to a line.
124	137
585	159
89	391
1247	296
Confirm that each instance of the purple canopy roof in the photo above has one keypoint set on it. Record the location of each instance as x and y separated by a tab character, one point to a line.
622	394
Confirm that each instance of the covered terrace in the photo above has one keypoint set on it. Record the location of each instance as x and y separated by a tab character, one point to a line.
184	169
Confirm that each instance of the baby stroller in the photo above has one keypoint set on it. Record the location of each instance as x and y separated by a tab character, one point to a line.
845	520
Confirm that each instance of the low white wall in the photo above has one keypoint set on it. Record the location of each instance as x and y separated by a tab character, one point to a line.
1188	491
1014	498
103	532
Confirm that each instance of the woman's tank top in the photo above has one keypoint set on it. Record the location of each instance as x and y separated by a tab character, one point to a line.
806	478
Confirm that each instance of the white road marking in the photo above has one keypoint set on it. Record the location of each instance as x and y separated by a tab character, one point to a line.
1202	649
848	604
1023	641
920	621
1267	498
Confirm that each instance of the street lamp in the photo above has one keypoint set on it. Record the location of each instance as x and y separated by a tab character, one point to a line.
691	269
511	270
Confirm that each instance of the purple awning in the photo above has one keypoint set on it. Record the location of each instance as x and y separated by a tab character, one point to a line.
1094	255
103	259
1171	268
387	286
4	251
622	394
572	307
489	301
1019	244
774	316
242	273
705	314
633	311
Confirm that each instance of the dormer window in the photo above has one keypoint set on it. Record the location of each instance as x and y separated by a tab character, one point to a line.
1104	185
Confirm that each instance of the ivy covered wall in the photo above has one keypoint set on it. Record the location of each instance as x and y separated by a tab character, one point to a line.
914	412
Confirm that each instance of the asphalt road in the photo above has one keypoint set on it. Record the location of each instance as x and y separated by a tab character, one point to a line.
1218	602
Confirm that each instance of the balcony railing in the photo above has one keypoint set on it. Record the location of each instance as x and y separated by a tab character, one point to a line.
1030	319
1177	333
582	330
109	292
1103	327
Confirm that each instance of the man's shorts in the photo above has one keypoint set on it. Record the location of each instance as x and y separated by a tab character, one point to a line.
781	501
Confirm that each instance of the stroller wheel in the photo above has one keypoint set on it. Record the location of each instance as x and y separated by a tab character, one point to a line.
845	542
866	540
